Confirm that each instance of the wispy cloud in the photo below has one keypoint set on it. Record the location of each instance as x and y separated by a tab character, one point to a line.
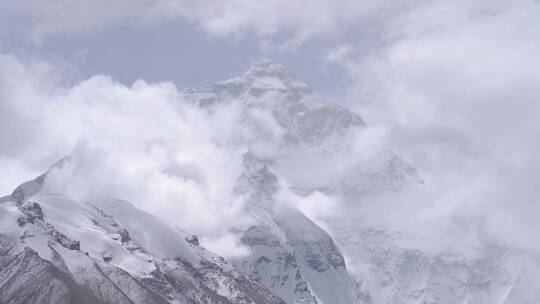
455	85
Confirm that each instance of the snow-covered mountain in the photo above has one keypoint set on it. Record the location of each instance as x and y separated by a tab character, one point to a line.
288	122
319	147
59	250
397	269
270	96
293	145
290	254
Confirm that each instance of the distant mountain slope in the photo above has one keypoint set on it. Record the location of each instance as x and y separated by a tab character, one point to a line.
290	254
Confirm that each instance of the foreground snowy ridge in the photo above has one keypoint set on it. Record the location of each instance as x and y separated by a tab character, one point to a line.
59	250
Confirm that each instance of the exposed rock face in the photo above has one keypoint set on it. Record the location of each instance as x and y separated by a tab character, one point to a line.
34	215
194	240
27	278
124	235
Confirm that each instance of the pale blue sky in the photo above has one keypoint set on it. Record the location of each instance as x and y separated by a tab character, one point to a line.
173	51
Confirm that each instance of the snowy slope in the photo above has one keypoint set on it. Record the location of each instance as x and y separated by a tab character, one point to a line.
290	254
107	252
397	267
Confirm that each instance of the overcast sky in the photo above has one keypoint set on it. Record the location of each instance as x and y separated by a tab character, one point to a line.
454	84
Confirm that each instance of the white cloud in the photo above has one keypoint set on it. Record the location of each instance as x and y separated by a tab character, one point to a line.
456	85
302	20
228	245
454	82
141	143
317	206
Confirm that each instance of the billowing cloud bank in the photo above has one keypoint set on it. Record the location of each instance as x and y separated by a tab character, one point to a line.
141	143
217	18
453	84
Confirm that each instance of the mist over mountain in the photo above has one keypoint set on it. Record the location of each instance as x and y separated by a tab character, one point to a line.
152	152
306	203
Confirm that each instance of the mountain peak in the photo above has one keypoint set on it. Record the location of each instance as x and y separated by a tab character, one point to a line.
268	68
